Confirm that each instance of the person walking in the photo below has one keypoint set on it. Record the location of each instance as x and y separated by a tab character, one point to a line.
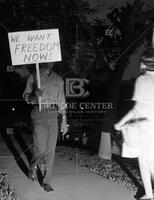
143	109
45	122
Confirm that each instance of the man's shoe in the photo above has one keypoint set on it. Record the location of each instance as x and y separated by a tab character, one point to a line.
33	173
43	170
47	187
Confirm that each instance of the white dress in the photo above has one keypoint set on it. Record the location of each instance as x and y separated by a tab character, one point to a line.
144	108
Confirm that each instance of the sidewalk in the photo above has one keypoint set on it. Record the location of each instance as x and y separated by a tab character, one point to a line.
70	182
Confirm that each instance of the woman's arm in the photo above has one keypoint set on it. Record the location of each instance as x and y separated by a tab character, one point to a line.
137	96
127	117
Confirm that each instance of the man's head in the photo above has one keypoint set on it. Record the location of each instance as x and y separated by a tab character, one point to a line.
147	60
46	66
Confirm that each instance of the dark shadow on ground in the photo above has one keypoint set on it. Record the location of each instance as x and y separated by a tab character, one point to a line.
14	151
24	147
22	143
27	151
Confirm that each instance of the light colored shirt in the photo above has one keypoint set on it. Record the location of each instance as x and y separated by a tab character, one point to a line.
144	88
52	88
144	95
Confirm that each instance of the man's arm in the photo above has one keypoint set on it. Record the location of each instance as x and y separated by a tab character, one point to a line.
62	108
29	95
61	99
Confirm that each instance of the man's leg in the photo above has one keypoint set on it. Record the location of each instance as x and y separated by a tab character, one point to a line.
151	166
50	148
40	133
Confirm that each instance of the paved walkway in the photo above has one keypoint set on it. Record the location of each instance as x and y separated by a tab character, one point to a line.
70	182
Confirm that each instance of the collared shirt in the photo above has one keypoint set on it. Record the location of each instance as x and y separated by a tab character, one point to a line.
52	88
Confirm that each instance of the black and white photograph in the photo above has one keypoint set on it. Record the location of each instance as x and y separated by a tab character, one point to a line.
76	99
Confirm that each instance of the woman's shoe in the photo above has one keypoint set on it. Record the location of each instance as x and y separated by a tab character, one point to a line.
145	197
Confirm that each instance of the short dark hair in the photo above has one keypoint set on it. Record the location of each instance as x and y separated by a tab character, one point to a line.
148	59
148	55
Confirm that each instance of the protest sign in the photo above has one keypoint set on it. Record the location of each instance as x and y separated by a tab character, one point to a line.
34	47
29	47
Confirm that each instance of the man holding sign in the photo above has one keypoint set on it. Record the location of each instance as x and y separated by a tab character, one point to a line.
45	122
45	91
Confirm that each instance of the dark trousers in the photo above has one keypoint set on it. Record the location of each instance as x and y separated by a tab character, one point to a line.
45	133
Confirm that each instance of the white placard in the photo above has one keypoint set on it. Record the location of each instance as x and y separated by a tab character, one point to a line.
29	47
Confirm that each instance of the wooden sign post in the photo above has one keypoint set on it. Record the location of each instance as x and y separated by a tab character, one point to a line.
38	83
153	39
34	47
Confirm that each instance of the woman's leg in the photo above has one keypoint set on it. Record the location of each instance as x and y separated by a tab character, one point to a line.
146	177
151	167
